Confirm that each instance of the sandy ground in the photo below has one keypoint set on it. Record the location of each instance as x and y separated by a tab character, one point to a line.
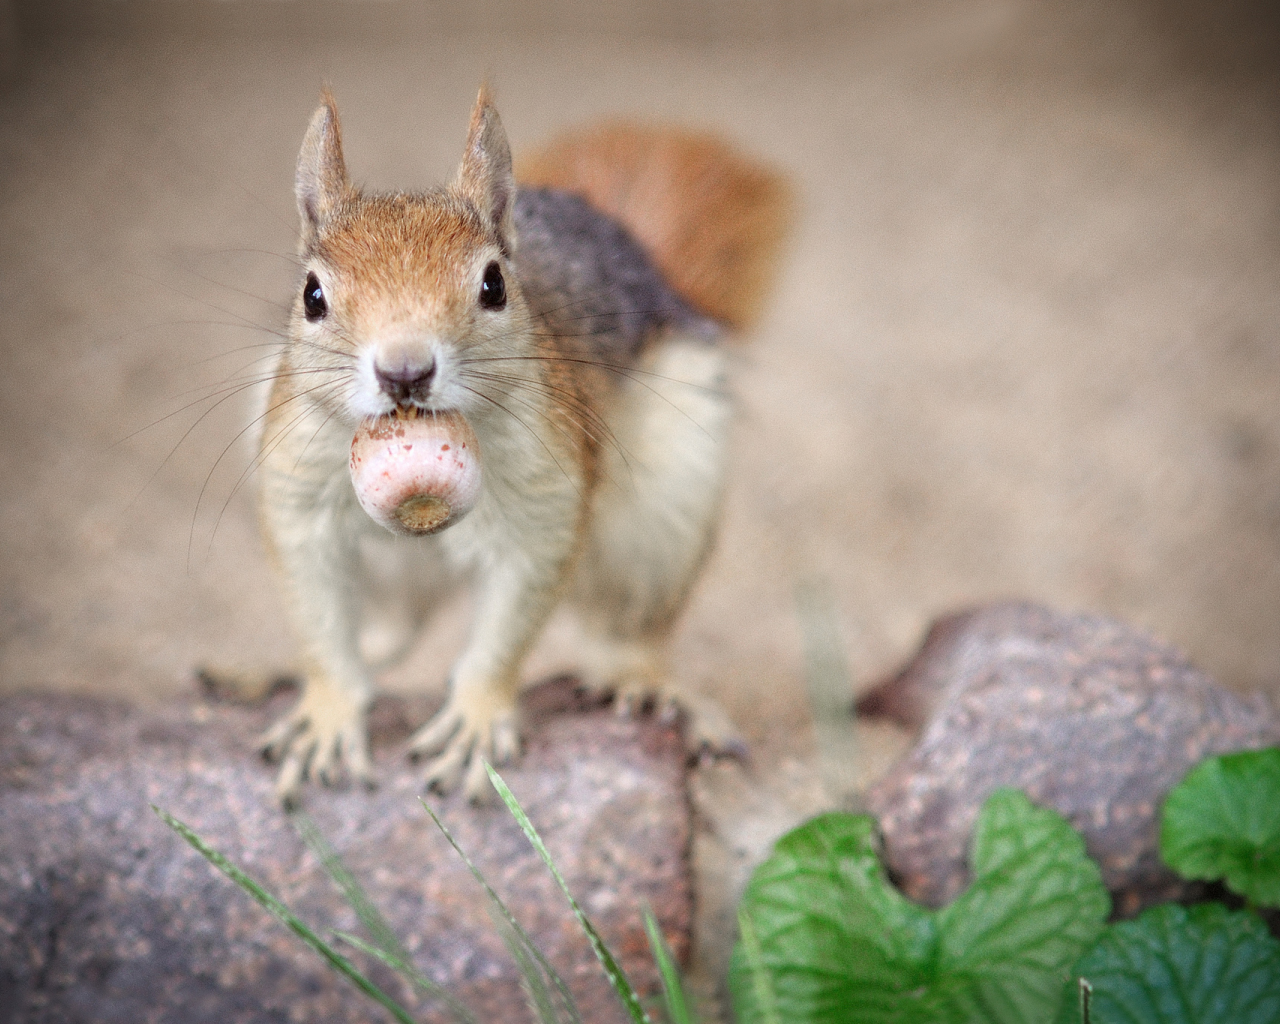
1026	340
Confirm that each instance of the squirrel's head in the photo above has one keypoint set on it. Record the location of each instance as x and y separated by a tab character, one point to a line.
401	292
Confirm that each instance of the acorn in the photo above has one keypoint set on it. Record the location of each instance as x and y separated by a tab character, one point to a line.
416	472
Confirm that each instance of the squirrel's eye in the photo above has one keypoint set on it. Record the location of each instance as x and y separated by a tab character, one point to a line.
493	290
313	303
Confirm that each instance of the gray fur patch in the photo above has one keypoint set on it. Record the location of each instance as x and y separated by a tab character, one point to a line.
585	276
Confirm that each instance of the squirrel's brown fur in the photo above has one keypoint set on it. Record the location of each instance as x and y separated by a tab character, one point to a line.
712	221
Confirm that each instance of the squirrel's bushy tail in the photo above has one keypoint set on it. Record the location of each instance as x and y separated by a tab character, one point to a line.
711	220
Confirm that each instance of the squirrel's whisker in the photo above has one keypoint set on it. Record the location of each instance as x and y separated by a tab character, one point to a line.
494	402
581	413
230	444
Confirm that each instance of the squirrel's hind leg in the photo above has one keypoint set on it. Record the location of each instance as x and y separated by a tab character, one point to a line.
652	527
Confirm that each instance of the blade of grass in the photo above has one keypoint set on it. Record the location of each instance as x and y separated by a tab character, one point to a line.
531	949
672	988
381	932
761	982
387	946
617	977
282	913
419	979
536	993
829	682
1086	996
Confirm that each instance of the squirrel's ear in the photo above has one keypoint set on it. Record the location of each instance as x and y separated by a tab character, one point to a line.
485	176
321	177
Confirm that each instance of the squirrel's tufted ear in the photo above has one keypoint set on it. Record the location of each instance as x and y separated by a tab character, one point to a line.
485	176
321	178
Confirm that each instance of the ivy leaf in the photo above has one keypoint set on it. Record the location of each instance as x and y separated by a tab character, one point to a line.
1223	821
1178	965
839	943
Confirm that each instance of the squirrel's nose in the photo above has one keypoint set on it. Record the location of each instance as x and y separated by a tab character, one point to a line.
405	382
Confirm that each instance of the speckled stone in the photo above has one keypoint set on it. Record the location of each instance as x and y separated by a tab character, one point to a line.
108	916
1085	714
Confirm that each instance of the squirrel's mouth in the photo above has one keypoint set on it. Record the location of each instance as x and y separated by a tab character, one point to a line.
412	411
416	471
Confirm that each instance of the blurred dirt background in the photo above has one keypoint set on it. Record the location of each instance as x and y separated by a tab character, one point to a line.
1026	340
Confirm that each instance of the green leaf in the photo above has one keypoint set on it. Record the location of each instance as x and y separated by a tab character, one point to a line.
282	913
761	982
840	944
1223	821
1174	965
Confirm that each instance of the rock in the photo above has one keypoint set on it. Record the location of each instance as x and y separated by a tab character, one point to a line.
106	915
1083	713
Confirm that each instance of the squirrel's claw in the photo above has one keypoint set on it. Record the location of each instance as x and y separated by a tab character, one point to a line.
294	768
323	740
708	731
459	740
444	771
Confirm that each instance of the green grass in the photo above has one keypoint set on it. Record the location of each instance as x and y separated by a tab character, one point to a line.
546	994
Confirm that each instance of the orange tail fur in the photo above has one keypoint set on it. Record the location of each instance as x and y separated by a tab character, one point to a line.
712	221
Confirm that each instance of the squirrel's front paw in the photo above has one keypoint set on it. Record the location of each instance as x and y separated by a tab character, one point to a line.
323	737
468	731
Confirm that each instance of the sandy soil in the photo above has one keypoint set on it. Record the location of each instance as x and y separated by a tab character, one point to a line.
1026	341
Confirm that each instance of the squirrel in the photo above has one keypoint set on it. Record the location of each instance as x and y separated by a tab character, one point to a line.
576	322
